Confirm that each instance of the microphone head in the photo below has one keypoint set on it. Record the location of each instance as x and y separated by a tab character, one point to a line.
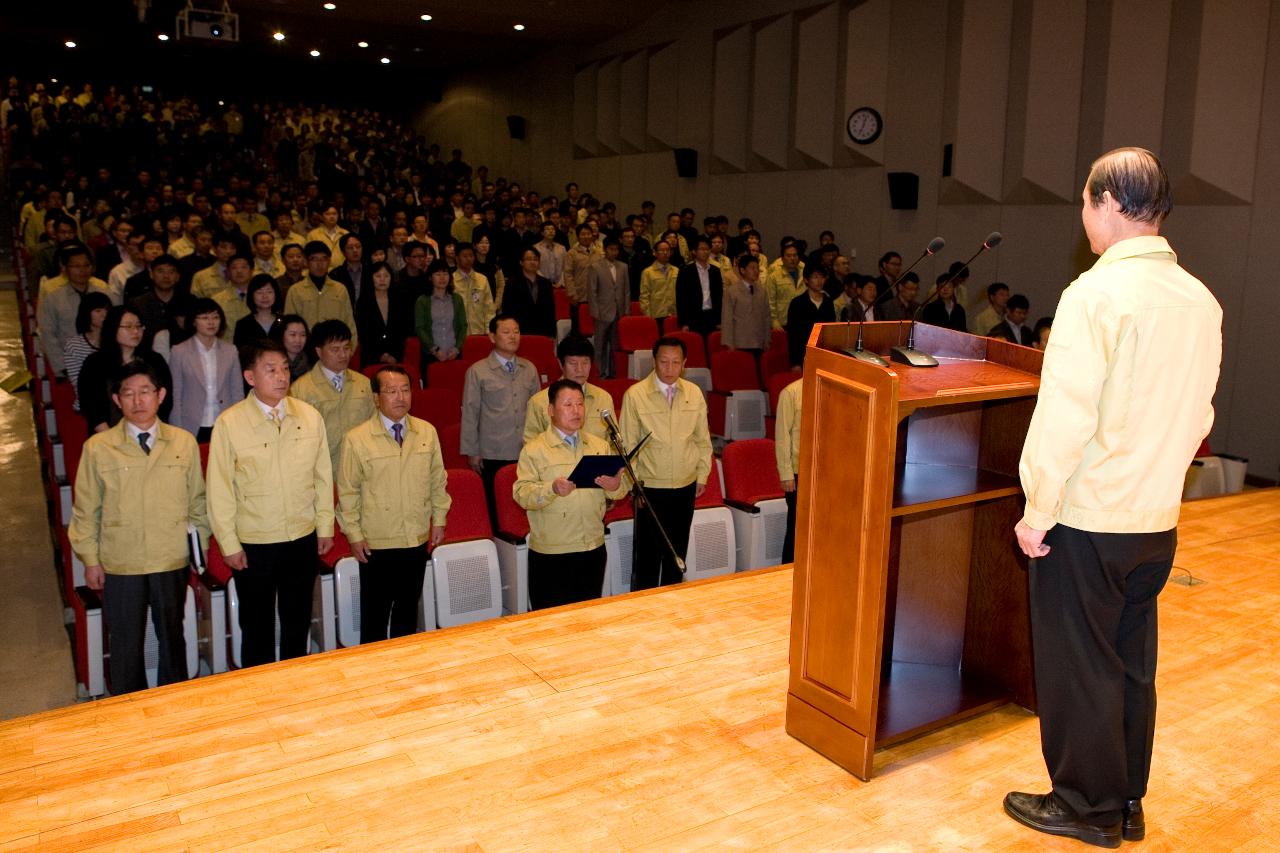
936	245
995	238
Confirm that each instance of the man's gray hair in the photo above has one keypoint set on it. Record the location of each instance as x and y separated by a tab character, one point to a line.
1136	180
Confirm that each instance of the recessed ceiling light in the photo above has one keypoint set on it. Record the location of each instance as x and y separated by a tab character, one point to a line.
315	53
278	36
425	17
222	103
163	36
362	44
329	7
53	79
385	61
518	28
69	43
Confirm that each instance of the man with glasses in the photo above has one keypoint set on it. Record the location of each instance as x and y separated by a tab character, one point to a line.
137	489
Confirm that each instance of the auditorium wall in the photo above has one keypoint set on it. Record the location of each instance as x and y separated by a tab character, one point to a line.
1023	94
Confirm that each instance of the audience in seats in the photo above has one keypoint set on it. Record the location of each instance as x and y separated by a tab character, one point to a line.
495	398
745	321
270	488
609	294
658	284
786	447
288	224
812	306
318	297
903	305
566	521
123	340
474	289
699	291
785	282
342	396
137	488
391	502
945	309
575	354
993	313
673	464
440	317
60	306
206	372
384	317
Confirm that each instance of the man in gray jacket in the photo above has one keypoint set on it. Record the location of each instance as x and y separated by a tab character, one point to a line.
609	291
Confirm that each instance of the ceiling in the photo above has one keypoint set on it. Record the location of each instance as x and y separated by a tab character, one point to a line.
462	33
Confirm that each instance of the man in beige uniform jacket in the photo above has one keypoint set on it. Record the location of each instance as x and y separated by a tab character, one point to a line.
674	464
270	485
137	488
1125	400
391	502
343	397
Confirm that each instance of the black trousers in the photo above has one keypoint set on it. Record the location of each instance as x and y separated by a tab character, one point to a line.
125	599
280	578
1093	628
652	564
391	588
556	579
488	471
789	542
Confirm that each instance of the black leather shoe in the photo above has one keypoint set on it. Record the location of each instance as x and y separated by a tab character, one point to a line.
1046	813
1135	828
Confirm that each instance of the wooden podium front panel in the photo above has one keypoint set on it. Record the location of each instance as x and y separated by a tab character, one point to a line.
841	554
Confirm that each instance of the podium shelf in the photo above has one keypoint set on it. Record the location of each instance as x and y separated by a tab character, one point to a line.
917	698
924	487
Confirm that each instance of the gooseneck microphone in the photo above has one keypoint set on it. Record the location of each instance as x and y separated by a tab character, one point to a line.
909	354
637	491
935	245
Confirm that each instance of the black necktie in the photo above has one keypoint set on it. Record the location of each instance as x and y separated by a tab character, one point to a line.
143	438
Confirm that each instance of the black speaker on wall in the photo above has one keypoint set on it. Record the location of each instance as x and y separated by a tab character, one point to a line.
686	162
515	124
904	190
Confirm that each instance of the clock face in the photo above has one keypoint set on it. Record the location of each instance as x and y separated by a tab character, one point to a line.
864	125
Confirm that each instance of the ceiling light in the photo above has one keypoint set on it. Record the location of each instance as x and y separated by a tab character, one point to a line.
278	36
53	79
163	36
69	43
518	28
329	7
385	61
425	17
315	53
362	44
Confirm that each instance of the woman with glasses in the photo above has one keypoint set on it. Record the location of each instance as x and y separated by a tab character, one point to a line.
121	341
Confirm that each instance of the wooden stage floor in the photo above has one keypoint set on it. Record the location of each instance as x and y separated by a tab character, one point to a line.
650	721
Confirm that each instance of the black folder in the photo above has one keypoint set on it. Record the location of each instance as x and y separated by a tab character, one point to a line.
596	465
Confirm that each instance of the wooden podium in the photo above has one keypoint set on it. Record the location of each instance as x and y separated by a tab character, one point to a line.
909	606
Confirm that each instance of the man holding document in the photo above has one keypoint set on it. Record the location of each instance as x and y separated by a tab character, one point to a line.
566	520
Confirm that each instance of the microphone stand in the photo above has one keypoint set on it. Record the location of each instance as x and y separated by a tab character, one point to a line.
638	493
909	354
935	245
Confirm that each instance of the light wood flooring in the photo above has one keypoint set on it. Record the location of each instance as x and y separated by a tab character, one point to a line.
653	721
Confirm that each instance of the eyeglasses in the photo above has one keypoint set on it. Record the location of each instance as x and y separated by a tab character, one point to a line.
132	327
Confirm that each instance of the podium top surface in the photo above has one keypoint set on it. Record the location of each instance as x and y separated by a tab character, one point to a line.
969	367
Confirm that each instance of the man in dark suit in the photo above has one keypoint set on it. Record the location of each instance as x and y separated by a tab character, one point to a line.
529	297
699	291
351	273
1015	317
375	230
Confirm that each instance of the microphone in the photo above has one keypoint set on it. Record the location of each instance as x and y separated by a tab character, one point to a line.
607	417
935	245
909	354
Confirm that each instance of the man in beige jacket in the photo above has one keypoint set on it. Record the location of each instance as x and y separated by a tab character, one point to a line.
391	502
270	485
137	488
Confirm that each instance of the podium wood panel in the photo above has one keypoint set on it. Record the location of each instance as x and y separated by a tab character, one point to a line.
910	598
